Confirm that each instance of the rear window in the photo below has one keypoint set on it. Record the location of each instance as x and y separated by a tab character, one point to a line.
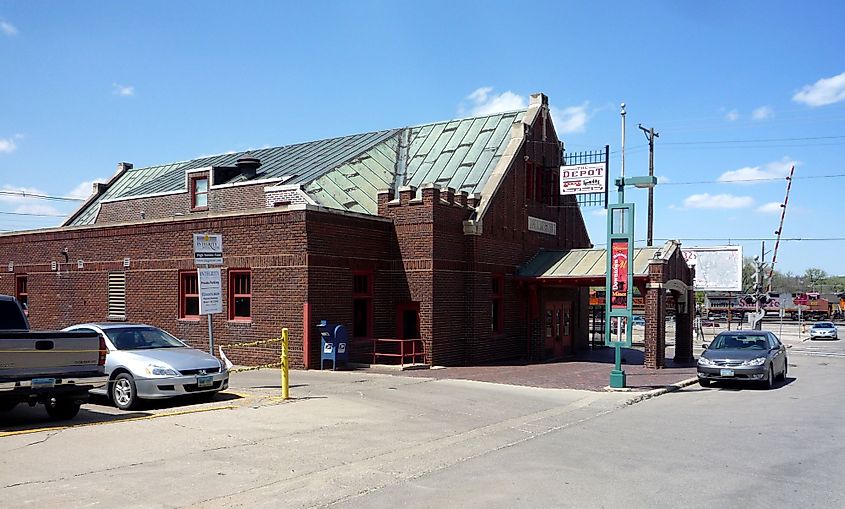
10	316
740	342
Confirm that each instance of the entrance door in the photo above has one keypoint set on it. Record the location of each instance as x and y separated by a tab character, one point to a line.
558	328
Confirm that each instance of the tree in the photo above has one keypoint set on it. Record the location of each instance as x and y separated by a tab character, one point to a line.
814	277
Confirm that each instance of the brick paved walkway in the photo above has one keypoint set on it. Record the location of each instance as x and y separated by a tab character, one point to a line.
588	371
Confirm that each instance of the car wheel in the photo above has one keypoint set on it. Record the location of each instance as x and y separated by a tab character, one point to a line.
785	369
62	409
123	393
704	383
770	377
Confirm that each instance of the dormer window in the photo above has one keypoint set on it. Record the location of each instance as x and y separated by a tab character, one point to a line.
199	193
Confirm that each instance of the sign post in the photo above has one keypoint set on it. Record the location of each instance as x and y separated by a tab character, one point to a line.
619	285
208	250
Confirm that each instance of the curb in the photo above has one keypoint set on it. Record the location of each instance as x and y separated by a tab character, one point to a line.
639	398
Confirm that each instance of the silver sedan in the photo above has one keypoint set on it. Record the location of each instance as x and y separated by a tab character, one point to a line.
145	362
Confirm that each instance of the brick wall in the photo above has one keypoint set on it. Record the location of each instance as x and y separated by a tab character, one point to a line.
220	199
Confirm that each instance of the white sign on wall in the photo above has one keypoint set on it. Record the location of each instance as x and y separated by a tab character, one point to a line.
208	249
211	292
582	178
535	224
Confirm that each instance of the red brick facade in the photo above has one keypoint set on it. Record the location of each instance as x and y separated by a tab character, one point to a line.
429	247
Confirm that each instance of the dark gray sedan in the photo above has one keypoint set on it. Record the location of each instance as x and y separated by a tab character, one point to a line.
743	355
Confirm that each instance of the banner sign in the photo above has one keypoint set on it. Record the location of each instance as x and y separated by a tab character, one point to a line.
582	179
208	249
619	274
211	292
535	224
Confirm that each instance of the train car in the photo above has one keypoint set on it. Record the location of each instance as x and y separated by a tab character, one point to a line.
808	306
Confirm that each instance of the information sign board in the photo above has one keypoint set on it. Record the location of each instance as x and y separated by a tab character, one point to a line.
208	249
582	178
211	292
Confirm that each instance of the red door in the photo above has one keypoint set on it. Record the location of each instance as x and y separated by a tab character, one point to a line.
557	321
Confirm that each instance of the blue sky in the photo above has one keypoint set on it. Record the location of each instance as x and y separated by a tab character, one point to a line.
736	90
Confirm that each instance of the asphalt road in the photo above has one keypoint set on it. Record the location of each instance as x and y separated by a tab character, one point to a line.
359	440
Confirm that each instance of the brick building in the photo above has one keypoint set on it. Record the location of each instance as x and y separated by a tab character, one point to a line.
415	232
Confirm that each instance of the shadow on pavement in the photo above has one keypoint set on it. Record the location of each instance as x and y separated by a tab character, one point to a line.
737	385
100	410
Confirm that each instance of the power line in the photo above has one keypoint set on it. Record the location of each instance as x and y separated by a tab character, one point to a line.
39	196
761	140
768	179
31	214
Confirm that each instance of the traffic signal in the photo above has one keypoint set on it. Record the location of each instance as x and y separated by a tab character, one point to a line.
748	299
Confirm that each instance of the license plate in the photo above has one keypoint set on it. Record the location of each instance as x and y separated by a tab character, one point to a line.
726	372
43	383
204	381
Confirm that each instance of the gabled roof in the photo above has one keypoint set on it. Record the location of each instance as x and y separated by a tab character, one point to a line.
346	172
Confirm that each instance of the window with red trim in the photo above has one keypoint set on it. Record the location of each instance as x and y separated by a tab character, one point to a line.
21	293
497	304
240	295
199	193
362	304
189	295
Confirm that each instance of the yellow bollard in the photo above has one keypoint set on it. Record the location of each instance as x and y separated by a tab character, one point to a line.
284	365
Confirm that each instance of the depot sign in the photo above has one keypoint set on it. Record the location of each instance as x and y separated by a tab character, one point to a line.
583	178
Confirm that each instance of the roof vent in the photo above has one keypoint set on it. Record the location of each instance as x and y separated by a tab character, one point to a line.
247	166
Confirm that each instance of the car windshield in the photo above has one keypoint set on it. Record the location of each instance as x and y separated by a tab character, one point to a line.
141	338
739	342
823	325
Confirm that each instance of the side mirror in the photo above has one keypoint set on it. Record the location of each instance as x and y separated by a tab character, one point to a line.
705	346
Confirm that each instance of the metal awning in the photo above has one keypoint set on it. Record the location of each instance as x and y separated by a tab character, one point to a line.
581	264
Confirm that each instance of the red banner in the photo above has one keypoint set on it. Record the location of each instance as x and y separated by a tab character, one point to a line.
619	274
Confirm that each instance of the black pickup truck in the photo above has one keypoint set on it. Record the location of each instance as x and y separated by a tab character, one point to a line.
56	369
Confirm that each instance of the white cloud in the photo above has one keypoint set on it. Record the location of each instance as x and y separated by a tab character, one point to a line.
38	208
717	201
84	189
763	113
572	119
8	28
732	115
7	145
484	102
748	174
773	207
123	90
825	91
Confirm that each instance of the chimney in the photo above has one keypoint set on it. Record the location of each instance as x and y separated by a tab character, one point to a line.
121	167
100	187
247	166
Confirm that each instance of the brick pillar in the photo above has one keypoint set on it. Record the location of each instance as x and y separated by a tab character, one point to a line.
655	316
684	331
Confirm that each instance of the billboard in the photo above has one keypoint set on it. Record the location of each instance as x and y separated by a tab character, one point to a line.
583	178
717	268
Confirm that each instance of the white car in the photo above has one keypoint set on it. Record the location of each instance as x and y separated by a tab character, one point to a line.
145	362
823	330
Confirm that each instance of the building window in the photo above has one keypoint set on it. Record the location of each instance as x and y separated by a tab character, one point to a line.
362	304
497	290
240	295
22	294
189	296
199	193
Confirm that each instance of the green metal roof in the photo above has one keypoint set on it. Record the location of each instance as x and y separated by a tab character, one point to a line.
581	263
347	172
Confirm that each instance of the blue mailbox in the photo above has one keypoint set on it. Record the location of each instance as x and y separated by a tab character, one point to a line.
334	345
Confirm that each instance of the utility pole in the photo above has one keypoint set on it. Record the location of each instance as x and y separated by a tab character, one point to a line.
650	135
